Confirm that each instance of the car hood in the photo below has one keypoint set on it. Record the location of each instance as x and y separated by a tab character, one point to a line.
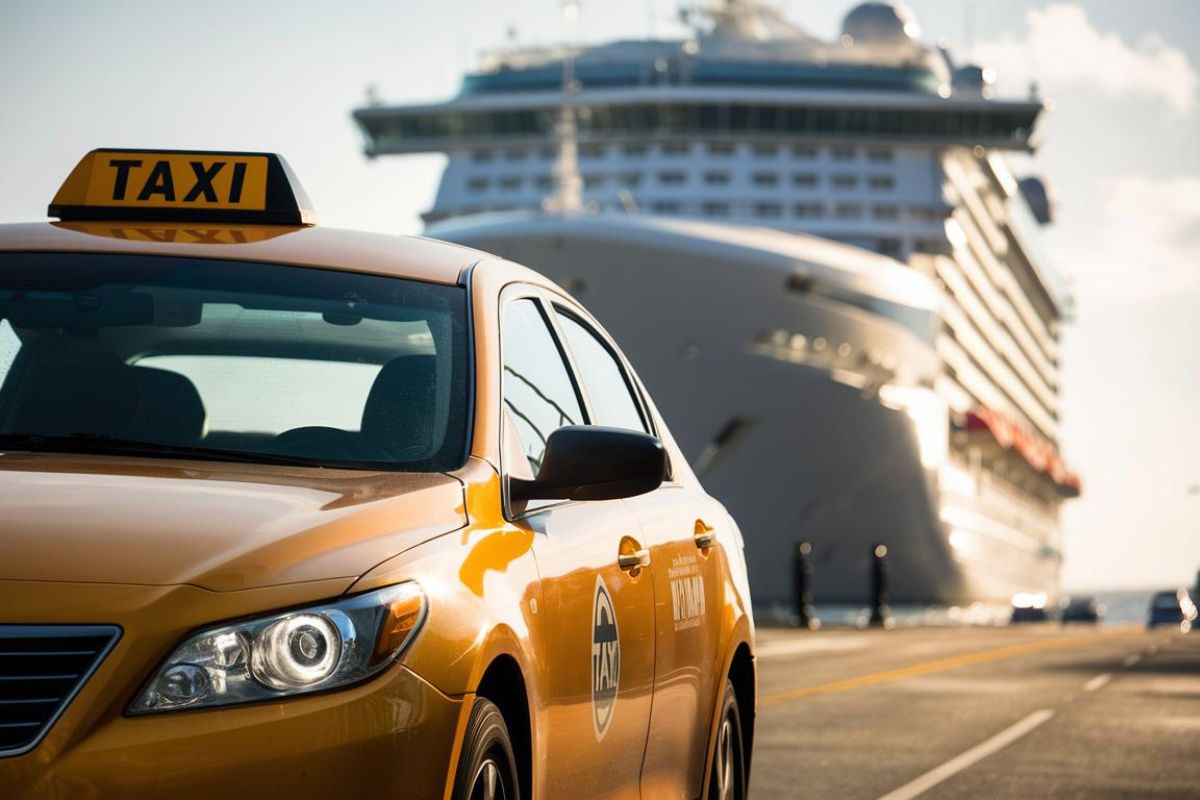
220	527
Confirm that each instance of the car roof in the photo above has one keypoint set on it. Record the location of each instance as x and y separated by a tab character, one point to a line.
413	257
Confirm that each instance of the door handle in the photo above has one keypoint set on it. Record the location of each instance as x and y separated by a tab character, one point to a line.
706	537
638	559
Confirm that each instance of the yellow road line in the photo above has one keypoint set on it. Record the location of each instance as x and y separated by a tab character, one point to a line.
940	665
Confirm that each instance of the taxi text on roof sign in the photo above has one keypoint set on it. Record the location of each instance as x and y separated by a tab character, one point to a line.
182	186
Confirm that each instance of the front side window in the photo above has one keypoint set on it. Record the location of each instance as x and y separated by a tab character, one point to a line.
607	387
183	357
538	394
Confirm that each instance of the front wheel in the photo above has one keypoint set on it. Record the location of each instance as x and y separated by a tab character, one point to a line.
727	773
486	767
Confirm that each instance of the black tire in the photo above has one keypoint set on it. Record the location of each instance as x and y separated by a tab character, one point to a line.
487	769
727	769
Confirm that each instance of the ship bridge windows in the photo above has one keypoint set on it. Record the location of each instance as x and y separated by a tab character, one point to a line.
716	177
478	184
804	152
635	149
804	180
844	181
765	178
808	210
881	183
425	130
881	155
676	148
768	210
764	150
721	148
848	211
666	207
715	208
885	213
510	183
672	178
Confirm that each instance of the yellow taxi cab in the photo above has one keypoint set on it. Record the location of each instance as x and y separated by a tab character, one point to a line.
289	511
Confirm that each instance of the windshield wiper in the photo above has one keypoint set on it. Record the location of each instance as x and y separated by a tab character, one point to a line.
117	445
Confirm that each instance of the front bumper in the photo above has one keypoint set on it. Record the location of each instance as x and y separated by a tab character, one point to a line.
393	736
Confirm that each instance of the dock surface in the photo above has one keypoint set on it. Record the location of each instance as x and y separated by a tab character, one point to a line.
1014	712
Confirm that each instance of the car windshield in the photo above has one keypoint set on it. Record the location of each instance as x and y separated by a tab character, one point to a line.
230	360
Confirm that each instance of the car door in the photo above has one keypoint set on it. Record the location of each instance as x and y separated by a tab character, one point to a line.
677	525
596	619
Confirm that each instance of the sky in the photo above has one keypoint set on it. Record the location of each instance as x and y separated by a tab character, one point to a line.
1121	149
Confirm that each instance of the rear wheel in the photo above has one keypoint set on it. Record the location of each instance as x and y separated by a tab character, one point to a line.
727	772
487	769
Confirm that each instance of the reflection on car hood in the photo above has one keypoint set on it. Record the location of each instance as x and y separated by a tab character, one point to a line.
222	527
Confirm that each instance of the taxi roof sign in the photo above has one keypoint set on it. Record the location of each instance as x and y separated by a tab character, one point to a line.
183	186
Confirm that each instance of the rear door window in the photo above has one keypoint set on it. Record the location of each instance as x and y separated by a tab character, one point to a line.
603	377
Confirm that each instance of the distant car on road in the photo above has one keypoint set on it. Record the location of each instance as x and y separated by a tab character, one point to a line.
1172	608
1083	609
1028	607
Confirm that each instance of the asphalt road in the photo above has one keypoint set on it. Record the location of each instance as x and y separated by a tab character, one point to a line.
1021	712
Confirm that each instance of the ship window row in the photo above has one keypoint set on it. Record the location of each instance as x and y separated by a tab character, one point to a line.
768	210
765	150
800	180
771	209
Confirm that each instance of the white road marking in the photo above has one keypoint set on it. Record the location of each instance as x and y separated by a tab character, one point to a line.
977	753
1097	683
1132	660
792	647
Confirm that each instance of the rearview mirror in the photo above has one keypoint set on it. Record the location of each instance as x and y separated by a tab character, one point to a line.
589	462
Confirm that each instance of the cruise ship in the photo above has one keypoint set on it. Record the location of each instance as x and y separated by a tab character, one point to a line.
819	261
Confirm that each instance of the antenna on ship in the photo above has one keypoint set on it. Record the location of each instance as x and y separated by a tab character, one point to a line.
568	186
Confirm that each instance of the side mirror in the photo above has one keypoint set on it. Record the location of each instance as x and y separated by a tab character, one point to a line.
588	462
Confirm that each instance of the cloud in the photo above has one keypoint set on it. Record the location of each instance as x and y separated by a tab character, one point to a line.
1062	48
1147	240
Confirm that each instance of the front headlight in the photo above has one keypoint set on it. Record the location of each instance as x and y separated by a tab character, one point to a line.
286	654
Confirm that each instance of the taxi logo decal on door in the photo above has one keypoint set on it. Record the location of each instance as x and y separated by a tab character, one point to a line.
687	592
606	659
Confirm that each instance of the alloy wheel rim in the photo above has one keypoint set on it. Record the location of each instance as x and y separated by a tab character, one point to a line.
725	760
487	784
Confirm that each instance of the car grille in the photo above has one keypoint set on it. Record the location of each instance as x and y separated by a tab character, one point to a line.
41	669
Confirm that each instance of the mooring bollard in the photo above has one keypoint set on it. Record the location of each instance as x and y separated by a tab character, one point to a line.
801	574
881	615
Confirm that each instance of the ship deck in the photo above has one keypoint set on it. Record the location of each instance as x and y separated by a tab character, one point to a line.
1026	711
